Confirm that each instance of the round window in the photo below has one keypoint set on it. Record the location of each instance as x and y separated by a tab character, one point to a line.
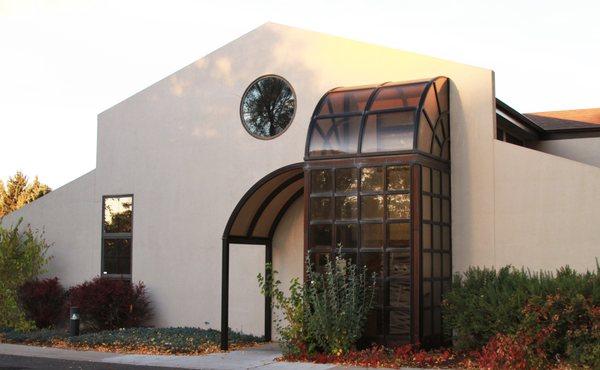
268	107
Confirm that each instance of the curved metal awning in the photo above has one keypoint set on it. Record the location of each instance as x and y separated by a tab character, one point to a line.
254	221
255	217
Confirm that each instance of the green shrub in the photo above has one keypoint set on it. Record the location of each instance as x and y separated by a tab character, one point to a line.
164	340
22	258
328	312
556	311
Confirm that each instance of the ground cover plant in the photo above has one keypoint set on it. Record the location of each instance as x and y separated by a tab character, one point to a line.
187	341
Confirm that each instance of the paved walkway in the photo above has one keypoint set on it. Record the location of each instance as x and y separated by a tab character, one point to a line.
260	358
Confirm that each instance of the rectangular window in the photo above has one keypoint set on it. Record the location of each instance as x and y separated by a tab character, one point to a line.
117	227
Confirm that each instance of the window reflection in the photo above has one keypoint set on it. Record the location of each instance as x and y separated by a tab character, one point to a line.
398	178
371	207
371	236
118	212
117	256
346	208
268	107
398	235
388	132
347	236
320	236
320	181
331	136
320	208
398	206
346	180
371	179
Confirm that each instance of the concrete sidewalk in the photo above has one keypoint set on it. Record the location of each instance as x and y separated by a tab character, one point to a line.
261	357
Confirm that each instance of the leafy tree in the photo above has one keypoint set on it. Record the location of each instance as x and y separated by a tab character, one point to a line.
19	191
22	258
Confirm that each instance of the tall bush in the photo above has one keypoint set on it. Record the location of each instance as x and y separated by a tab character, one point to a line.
328	312
22	258
106	304
43	301
526	320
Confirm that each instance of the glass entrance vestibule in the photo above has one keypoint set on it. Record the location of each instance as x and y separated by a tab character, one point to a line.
377	191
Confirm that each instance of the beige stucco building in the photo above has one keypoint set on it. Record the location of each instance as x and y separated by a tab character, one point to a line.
243	156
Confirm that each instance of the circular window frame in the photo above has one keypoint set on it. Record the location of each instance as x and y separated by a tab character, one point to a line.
242	103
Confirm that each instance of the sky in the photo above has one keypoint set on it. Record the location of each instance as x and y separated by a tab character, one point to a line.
63	62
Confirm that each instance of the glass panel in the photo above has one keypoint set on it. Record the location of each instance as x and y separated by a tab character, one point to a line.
371	236
426	264
430	106
399	322
118	214
447	265
373	326
400	96
446	210
436	182
373	262
320	236
398	206
445	184
426	207
446	150
349	256
437	321
320	181
388	132
320	209
399	264
437	238
426	236
334	136
371	207
437	265
426	294
436	210
439	132
436	148
426	323
398	178
437	293
117	256
318	261
426	181
371	179
446	237
346	180
347	236
398	235
352	101
425	135
399	294
346	208
442	89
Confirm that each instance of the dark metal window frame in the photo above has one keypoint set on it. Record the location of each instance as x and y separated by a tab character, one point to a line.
116	236
415	161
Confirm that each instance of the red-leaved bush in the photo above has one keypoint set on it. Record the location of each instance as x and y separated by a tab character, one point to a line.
106	304
43	301
379	356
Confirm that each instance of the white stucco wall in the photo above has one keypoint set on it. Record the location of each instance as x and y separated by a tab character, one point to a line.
547	210
584	150
70	220
180	148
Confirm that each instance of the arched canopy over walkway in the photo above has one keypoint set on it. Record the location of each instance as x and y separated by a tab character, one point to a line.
254	221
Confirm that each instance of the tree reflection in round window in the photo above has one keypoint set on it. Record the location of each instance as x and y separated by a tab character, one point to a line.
268	107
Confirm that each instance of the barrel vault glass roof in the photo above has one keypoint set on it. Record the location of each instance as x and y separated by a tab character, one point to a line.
387	118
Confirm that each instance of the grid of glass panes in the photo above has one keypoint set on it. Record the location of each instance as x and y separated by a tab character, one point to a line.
363	213
117	225
436	248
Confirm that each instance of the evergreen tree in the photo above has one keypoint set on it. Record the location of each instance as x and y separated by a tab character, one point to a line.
18	192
